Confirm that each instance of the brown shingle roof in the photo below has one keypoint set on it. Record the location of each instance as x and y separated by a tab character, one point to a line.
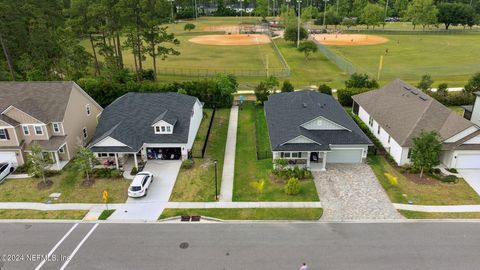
404	111
46	101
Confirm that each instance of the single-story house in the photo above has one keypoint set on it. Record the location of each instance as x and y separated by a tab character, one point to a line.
398	112
311	129
147	126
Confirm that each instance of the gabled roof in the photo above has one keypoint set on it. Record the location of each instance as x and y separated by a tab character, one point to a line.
129	119
404	111
166	116
45	101
287	112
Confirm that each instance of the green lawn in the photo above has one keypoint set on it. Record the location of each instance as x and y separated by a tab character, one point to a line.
427	215
106	214
438	193
197	184
262	131
249	213
37	214
68	183
457	109
447	58
249	170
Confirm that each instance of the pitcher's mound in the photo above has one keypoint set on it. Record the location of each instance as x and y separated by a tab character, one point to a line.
231	40
349	39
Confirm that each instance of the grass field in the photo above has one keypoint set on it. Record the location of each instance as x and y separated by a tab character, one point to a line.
447	58
427	215
250	213
37	214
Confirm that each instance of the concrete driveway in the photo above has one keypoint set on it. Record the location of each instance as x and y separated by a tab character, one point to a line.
151	206
472	176
352	192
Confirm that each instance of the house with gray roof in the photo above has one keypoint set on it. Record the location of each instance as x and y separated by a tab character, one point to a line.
58	116
147	126
398	112
472	112
311	129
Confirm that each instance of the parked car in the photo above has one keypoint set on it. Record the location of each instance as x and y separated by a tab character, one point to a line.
6	168
140	184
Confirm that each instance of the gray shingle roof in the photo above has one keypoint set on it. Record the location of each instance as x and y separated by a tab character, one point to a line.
404	111
46	101
129	120
286	112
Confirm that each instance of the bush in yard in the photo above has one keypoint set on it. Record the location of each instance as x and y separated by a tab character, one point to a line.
107	173
393	180
292	187
425	151
358	80
344	96
473	84
425	83
449	179
85	160
287	86
453	98
258	185
189	27
134	171
323	88
37	164
262	92
187	164
291	33
452	170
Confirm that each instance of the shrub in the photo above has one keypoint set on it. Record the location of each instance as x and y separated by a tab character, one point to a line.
393	180
436	171
452	170
358	80
187	164
134	171
292	187
453	98
323	88
189	27
107	173
287	86
449	179
258	185
22	169
50	173
344	96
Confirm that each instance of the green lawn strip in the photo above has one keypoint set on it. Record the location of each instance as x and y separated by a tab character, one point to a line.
197	183
430	215
68	183
262	131
249	213
37	214
249	170
106	214
457	109
438	193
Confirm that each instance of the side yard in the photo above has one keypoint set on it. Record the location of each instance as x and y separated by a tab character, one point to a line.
253	179
196	184
249	213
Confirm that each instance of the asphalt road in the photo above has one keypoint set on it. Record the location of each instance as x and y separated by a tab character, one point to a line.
241	246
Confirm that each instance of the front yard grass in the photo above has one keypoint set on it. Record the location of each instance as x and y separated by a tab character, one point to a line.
424	194
37	214
197	183
106	214
249	213
440	215
68	183
250	172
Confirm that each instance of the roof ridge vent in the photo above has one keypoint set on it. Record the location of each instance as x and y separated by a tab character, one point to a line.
422	98
304	104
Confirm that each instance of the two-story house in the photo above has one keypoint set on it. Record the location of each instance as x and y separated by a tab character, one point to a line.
58	116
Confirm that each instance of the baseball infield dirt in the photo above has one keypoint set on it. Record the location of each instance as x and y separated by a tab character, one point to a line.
231	40
349	39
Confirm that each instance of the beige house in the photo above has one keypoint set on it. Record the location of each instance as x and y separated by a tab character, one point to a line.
58	116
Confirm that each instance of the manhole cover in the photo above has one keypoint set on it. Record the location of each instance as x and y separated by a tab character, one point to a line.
184	245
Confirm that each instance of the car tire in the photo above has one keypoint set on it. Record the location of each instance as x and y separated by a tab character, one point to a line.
146	192
11	170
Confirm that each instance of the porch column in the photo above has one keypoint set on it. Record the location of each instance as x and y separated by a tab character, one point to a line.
324	161
116	160
135	159
308	159
57	160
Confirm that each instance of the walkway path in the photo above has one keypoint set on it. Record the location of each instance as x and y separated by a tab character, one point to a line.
352	192
226	190
438	208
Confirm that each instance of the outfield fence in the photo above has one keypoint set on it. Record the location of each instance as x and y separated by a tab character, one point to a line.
338	60
212	72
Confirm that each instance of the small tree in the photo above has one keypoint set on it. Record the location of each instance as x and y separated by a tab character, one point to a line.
323	88
262	92
292	187
287	86
307	47
425	83
425	151
85	160
189	27
372	15
442	89
272	83
358	80
291	33
473	84
37	163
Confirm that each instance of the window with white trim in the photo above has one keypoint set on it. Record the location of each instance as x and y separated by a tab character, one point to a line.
370	121
26	131
157	129
87	109
56	128
38	130
62	150
84	132
378	130
3	134
169	129
163	128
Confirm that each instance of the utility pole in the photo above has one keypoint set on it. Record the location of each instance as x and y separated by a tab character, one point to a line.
325	13
288	5
298	22
386	8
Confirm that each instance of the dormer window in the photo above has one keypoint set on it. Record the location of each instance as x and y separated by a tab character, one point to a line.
163	128
157	129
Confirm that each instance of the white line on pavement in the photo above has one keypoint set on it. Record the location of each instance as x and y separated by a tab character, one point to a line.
56	246
78	247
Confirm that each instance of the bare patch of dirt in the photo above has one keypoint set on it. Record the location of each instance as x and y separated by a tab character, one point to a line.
42	185
231	40
349	39
88	182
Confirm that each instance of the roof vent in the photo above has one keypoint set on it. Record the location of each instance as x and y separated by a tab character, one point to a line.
406	88
423	98
304	105
414	92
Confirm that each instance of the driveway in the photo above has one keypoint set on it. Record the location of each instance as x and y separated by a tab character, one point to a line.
472	176
151	206
352	192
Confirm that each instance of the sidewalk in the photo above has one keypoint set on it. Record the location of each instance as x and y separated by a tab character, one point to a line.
226	190
244	205
438	208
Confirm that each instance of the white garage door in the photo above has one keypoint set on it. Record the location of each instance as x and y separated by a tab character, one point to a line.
344	156
8	156
468	162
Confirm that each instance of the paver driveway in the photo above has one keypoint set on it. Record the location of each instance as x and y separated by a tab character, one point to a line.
352	192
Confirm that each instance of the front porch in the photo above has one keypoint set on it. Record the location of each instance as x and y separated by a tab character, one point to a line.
55	150
314	161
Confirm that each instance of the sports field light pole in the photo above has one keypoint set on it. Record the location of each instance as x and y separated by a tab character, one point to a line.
298	22
171	2
288	4
216	192
241	8
324	14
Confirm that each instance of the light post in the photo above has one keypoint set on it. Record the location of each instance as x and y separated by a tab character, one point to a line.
298	22
171	2
325	13
385	17
241	8
288	4
216	192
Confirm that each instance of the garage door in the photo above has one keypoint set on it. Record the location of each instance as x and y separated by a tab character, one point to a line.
8	156
468	162
344	156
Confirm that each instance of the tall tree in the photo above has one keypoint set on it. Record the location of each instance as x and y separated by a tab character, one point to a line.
455	14
425	151
372	15
421	12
